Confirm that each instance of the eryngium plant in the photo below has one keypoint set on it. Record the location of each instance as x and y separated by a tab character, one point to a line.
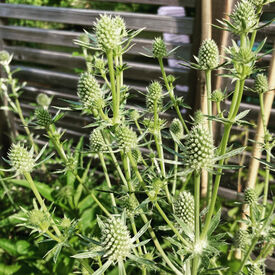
139	173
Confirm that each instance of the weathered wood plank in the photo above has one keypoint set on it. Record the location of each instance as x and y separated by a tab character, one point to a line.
136	71
159	23
185	3
65	38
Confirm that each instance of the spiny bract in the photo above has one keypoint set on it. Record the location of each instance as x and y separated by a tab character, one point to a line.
154	96
184	208
208	55
127	138
89	92
199	148
116	239
21	160
176	128
159	48
244	17
43	117
97	143
260	84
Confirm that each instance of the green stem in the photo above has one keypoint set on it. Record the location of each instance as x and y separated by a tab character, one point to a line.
133	224
253	35
175	170
197	220
113	86
118	85
100	205
209	101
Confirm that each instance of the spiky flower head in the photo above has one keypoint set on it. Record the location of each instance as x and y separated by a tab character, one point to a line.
4	57
97	143
134	114
250	196
208	55
184	208
255	269
159	48
199	118
154	96
99	63
84	38
89	91
176	128
127	138
65	222
116	239
109	32
217	95
130	204
136	153
21	160
43	117
199	148
38	218
260	84
241	239
244	17
43	100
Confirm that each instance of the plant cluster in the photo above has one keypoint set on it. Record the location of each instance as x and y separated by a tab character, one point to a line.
129	199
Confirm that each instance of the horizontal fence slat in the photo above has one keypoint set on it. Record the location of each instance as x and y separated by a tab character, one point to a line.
65	38
158	23
136	71
185	3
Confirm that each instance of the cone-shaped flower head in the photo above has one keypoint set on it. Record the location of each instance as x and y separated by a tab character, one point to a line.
134	114
261	83
217	96
199	148
241	239
176	128
38	218
250	196
127	138
184	208
97	143
4	57
130	204
116	239
43	100
89	92
43	117
109	32
154	96
208	55
244	17
137	155
21	160
159	48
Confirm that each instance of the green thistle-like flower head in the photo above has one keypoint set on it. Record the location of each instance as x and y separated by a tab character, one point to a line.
217	95
127	138
199	148
130	204
84	38
43	100
176	128
154	96
38	218
97	143
43	117
109	32
208	55
261	83
250	196
116	239
4	57
21	160
134	114
255	269
89	92
65	222
241	239
184	208
159	48
136	153
244	17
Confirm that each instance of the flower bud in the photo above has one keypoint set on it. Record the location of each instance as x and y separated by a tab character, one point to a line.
116	239
208	55
21	160
97	143
260	84
199	118
4	57
199	148
159	48
84	38
250	196
217	96
154	96
127	138
184	208
241	239
43	100
134	114
176	128
130	204
38	218
43	117
65	222
89	92
137	155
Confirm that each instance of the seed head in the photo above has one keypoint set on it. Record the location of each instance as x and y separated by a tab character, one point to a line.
154	96
199	148
21	160
244	17
184	208
208	55
116	239
159	48
89	92
127	138
260	84
43	117
250	196
176	128
97	143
